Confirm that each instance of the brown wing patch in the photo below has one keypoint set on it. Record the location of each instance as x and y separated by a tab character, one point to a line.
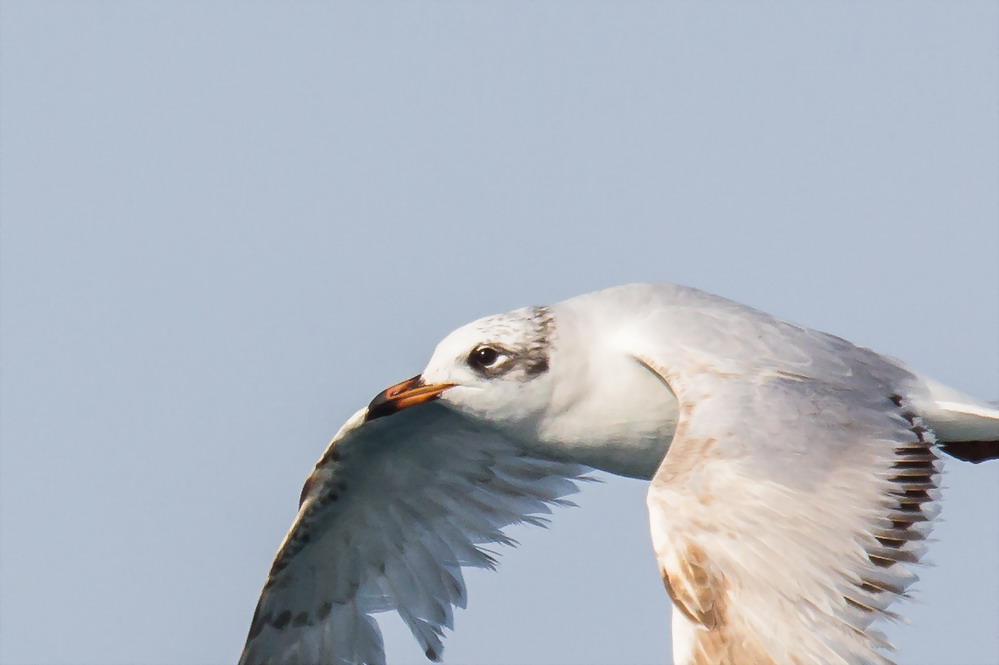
700	592
697	589
723	647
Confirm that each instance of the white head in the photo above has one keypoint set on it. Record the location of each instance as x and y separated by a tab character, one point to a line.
495	369
499	367
565	392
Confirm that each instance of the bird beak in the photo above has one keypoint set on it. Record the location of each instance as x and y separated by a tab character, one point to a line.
403	395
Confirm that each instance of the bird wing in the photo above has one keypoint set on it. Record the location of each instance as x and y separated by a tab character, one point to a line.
392	512
791	499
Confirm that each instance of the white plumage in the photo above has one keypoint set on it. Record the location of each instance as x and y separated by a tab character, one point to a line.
393	511
798	483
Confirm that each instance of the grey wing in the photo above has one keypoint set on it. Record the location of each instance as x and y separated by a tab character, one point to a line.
393	511
788	507
800	481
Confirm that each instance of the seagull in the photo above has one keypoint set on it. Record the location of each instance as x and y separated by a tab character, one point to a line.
794	478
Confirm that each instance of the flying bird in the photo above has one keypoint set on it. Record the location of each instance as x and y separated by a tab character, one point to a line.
794	478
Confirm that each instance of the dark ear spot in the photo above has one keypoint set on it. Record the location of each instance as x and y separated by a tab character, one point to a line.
537	366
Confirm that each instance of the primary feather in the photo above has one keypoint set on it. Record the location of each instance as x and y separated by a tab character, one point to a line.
390	515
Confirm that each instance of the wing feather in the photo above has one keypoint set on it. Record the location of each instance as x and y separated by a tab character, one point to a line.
797	490
393	511
787	509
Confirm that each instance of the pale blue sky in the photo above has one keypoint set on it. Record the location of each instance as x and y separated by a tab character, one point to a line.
227	225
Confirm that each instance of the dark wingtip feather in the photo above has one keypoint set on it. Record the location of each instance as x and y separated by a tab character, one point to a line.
971	451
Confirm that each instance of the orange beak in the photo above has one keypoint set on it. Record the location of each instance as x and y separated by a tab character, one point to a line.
403	395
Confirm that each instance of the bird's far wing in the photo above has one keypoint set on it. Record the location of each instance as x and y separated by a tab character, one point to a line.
966	428
786	510
393	511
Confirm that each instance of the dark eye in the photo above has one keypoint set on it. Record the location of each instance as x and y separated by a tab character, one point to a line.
485	357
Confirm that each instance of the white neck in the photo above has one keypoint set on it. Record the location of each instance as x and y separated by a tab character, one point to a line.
613	414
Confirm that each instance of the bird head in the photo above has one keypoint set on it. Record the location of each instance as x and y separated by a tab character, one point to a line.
495	370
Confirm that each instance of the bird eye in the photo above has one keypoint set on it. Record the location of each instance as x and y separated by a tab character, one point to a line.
485	357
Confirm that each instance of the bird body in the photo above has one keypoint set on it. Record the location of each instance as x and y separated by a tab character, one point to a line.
764	441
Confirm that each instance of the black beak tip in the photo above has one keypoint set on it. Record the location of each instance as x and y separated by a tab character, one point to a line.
385	402
380	406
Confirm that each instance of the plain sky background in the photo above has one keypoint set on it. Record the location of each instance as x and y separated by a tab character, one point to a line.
227	225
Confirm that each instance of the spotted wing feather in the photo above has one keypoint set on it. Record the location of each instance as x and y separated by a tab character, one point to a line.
797	490
786	514
391	514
